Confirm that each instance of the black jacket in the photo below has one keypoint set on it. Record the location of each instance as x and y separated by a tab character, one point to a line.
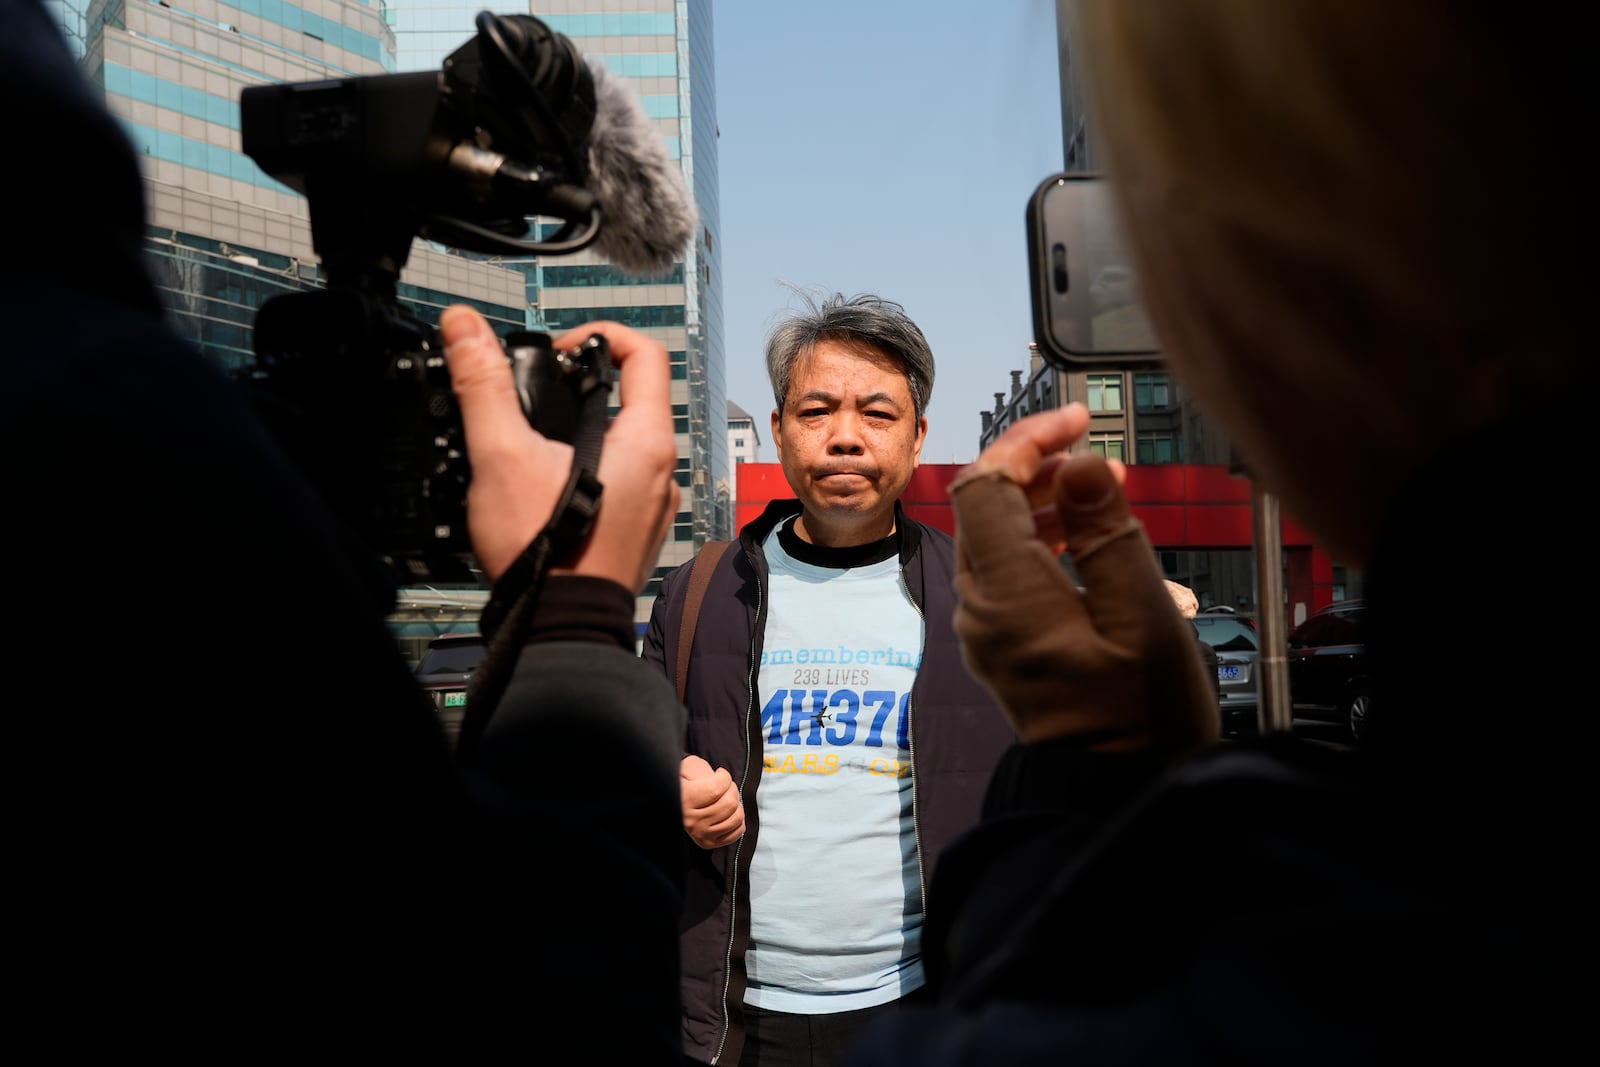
957	735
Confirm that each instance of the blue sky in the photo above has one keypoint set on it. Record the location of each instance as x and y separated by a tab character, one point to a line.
886	146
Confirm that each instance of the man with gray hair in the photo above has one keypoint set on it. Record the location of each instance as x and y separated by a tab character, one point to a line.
836	741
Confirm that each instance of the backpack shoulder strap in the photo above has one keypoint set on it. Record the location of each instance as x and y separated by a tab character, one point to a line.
700	571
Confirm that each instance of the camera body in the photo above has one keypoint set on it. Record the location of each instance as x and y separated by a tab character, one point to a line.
360	396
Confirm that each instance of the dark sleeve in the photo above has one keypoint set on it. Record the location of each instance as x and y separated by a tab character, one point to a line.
580	766
1063	780
579	607
578	772
656	646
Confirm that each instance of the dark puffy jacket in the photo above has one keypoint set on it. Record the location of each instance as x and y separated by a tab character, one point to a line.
958	734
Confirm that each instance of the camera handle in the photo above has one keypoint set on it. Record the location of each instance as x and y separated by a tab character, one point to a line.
507	617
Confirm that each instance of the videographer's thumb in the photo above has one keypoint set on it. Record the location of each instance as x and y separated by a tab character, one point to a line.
518	475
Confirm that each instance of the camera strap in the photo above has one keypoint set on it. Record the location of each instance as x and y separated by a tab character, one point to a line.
508	616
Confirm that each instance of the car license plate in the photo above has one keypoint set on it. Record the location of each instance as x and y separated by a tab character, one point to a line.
455	700
1228	672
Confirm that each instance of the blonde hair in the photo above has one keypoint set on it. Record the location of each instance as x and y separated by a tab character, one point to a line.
1307	192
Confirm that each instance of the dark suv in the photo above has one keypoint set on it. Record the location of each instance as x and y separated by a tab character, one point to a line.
1328	668
444	671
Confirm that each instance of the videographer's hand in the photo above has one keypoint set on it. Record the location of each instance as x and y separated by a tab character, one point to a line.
1114	666
713	815
518	475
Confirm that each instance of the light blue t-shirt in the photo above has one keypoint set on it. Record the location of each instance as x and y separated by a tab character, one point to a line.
835	886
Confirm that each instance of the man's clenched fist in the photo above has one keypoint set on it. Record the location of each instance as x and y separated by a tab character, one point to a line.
712	812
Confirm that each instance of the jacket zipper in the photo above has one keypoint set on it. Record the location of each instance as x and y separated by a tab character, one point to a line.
911	749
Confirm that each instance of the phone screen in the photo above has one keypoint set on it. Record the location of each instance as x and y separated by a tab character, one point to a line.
1086	306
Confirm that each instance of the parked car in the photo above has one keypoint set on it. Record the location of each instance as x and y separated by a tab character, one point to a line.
1234	640
1328	669
444	671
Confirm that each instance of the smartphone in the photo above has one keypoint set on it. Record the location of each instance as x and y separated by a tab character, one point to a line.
1086	306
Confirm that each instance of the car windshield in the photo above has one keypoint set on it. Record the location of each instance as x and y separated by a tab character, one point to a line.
1225	633
459	658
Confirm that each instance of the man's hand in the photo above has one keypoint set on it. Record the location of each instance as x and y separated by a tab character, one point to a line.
518	474
1114	666
712	812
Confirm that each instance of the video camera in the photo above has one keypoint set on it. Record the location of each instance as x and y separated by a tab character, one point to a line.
471	156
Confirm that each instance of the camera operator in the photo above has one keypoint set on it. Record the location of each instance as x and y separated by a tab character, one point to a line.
213	851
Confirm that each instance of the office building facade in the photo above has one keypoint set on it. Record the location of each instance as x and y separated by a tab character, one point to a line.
744	435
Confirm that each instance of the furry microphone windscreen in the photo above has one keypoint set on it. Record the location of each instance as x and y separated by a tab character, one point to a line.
647	213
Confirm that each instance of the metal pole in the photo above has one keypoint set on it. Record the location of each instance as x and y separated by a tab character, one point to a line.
1275	711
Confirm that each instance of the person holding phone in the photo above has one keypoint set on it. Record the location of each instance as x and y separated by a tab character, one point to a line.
1383	319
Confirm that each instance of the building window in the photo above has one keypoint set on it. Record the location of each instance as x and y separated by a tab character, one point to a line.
597	274
1105	392
1159	447
639	317
683	526
1151	392
738	442
1109	445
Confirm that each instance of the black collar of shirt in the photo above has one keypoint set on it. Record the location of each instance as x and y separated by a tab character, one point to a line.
836	558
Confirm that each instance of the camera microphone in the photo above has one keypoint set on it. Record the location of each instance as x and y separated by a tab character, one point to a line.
648	213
